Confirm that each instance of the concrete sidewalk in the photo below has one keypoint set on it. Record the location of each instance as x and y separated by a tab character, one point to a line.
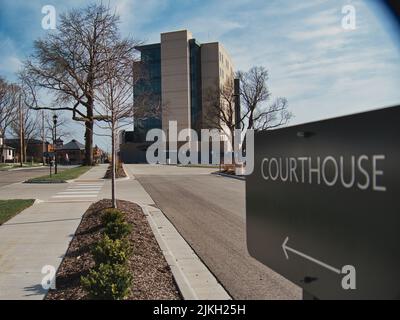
40	235
194	279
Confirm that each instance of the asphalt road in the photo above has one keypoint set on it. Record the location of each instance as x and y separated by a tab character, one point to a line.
13	176
209	212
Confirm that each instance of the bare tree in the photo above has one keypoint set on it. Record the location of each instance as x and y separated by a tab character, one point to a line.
255	94
62	123
7	113
71	63
115	98
275	115
221	113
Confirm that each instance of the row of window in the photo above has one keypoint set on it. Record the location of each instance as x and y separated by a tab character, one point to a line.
223	60
225	75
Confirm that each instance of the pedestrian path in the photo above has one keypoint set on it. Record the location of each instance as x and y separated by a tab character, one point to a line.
34	242
79	191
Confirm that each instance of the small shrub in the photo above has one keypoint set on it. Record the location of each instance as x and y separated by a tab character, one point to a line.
108	282
111	215
117	230
108	251
114	225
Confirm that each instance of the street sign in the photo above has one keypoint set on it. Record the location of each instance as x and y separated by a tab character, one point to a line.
323	205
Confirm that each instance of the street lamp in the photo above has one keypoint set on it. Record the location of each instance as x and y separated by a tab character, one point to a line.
54	143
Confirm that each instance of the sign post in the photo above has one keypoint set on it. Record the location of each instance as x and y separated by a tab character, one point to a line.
322	205
49	156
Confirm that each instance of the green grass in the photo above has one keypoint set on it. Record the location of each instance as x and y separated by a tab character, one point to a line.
10	208
8	166
62	176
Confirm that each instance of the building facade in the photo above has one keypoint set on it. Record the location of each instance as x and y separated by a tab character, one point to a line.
179	73
34	149
72	153
7	153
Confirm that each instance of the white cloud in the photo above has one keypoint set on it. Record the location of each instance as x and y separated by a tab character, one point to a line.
10	64
315	33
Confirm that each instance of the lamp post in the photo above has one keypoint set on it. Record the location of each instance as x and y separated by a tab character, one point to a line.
54	143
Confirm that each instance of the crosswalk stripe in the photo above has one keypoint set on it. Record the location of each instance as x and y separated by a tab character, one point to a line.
76	192
91	188
76	196
81	189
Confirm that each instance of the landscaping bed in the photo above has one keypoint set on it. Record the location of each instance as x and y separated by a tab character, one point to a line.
10	208
119	172
151	276
61	176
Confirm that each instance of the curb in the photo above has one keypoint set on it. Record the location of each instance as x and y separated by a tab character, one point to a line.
242	178
194	280
37	201
45	182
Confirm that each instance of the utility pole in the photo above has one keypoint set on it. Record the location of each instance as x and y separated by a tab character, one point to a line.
43	140
55	143
236	94
21	133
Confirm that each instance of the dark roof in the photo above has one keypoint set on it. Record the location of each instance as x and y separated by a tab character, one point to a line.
30	141
5	147
148	46
73	145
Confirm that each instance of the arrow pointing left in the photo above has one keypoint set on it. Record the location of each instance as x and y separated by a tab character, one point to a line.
286	248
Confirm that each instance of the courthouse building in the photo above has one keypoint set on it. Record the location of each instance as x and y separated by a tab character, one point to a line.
180	73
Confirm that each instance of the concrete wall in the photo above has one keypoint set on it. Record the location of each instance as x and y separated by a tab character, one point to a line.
209	75
175	79
217	69
133	152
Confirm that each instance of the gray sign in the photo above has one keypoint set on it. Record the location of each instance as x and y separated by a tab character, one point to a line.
323	205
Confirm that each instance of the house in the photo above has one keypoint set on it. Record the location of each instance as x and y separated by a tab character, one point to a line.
34	149
71	153
7	154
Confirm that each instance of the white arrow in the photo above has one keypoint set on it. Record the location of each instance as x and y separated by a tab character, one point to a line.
286	249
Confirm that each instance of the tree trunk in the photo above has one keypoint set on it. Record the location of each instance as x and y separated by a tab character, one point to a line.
25	149
88	143
113	167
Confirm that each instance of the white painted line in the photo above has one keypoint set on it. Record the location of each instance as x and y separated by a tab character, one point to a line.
83	189
77	196
70	201
77	192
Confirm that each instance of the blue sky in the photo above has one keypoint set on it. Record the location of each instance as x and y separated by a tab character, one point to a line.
322	69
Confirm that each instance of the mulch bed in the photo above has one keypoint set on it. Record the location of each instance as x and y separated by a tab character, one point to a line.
119	172
152	277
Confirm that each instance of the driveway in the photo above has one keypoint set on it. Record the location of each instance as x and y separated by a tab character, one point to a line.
209	212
